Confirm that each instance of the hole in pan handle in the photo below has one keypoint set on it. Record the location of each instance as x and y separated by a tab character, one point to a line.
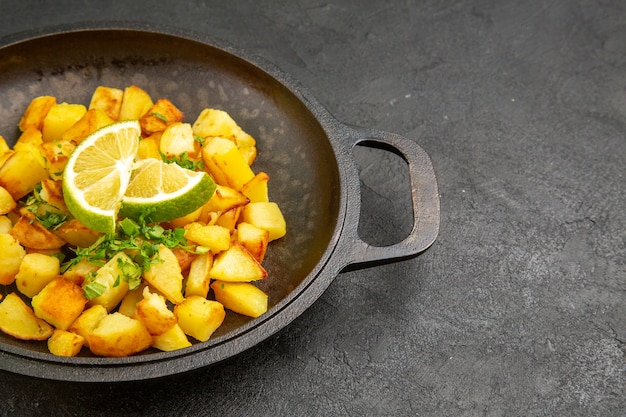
424	200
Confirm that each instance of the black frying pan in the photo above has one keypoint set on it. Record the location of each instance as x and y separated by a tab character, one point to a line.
307	153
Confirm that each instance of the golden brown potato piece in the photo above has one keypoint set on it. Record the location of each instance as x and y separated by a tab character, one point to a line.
59	303
5	224
56	155
128	306
241	297
225	198
107	100
229	219
256	188
177	139
7	203
199	277
254	239
76	234
225	163
87	321
60	118
117	335
172	339
77	272
32	234
162	114
217	238
135	103
36	112
152	311
11	255
109	276
21	172
166	276
218	123
148	148
64	343
91	121
266	216
36	271
18	320
185	258
237	265
199	317
52	193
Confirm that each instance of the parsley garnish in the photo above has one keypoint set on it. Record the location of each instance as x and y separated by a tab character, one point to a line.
184	161
140	240
35	204
159	116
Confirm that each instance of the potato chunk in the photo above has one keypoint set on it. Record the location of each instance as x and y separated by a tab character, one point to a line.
237	265
117	335
241	297
11	255
21	172
266	216
254	239
36	112
32	234
60	118
256	189
225	198
199	277
199	317
110	277
7	203
59	303
135	103
172	339
36	271
64	343
218	123
225	163
217	238
158	117
108	100
87	321
166	276
178	139
91	121
18	320
154	314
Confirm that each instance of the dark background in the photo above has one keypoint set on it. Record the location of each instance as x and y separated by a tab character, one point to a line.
519	308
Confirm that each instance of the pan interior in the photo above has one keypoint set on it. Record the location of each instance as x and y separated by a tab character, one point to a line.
293	148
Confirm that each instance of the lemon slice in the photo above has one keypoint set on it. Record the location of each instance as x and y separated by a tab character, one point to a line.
98	172
165	191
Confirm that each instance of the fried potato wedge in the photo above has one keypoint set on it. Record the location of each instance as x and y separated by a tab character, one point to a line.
64	343
117	335
241	297
199	317
18	320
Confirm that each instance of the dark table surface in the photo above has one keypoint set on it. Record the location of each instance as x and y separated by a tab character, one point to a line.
519	308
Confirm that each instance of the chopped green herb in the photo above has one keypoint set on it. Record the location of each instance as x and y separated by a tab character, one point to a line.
41	210
93	289
184	161
139	238
159	116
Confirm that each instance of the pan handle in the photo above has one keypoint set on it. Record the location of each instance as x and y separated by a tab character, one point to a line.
424	198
